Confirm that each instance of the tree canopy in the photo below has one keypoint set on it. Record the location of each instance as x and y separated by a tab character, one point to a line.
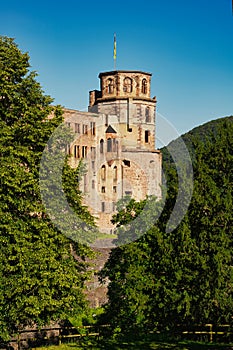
184	276
41	278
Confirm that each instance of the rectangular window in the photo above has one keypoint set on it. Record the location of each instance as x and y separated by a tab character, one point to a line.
93	128
76	151
103	207
147	134
77	128
93	165
93	184
103	189
84	151
114	189
85	128
113	206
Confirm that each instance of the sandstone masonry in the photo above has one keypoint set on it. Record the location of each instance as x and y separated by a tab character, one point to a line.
116	140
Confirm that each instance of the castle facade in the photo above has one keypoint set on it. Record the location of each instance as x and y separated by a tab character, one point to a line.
116	140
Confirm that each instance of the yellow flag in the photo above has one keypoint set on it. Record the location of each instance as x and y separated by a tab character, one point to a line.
114	49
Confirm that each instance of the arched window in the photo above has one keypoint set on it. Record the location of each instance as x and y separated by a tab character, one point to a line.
109	145
103	172
128	85
115	173
148	119
101	146
144	86
110	86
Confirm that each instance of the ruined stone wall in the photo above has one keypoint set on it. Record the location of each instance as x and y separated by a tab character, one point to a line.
116	140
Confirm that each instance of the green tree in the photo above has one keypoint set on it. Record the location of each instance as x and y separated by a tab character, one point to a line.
185	276
41	278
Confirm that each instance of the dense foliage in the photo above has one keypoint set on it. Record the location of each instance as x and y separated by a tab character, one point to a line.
184	276
41	278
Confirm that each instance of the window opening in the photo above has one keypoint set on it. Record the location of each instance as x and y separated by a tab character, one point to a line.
77	128
110	86
93	128
101	146
84	151
144	86
128	85
109	145
115	173
76	151
148	115
147	133
103	172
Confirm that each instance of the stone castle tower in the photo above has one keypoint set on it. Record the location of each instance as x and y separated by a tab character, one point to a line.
116	139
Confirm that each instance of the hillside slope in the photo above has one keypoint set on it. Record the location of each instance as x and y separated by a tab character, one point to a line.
203	133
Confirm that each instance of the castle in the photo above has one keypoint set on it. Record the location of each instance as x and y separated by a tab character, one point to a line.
116	140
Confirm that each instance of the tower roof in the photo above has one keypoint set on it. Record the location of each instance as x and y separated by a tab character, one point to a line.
123	71
110	130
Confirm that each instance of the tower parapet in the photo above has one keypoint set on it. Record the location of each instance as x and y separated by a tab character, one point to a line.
127	94
122	84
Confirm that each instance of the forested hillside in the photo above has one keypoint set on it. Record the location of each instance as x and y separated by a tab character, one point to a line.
203	133
183	276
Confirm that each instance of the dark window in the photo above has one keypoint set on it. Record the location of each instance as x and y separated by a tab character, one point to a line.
114	189
126	162
93	184
109	145
76	151
103	189
93	128
84	151
110	86
144	86
103	207
102	146
113	206
147	134
85	128
128	85
77	128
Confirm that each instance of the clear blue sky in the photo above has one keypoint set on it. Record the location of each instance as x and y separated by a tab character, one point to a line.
187	45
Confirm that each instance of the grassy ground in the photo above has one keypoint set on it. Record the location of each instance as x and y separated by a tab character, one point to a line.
140	345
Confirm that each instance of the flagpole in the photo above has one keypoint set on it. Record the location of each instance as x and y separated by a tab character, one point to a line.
114	51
